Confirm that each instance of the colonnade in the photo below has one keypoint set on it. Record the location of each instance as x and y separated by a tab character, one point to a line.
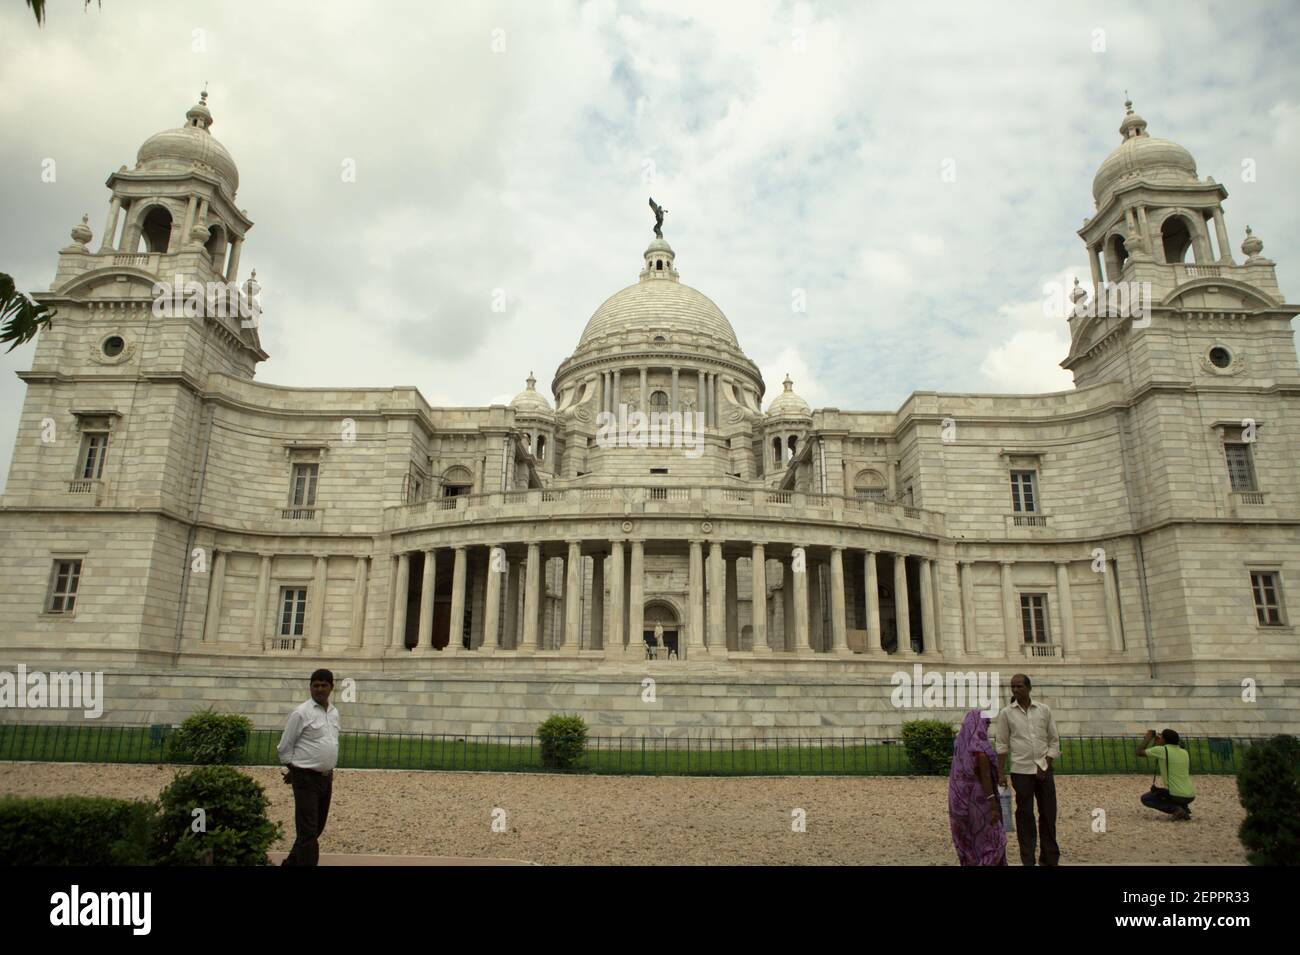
611	388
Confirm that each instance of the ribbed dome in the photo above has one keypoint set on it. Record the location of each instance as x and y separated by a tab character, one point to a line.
530	399
188	147
658	304
1141	156
788	404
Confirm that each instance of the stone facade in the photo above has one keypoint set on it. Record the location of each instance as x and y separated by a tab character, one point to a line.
1132	543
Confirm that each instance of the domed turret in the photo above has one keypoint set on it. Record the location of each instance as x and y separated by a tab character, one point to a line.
1141	156
530	399
788	404
188	147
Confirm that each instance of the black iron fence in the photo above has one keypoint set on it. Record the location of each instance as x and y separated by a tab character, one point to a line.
614	755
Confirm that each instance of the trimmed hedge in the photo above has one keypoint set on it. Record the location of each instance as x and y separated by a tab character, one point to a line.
75	830
1269	787
208	737
562	742
929	746
237	830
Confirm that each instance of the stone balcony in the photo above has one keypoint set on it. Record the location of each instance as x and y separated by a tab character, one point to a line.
715	502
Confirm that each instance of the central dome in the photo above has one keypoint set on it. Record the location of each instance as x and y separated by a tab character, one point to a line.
1141	156
671	306
188	147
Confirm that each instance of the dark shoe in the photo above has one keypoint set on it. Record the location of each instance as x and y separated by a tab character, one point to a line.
1180	815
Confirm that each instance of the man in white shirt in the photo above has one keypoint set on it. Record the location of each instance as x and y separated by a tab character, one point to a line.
1026	732
309	747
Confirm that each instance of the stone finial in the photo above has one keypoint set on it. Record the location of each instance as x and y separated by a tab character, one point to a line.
789	383
531	381
1251	245
1133	124
81	233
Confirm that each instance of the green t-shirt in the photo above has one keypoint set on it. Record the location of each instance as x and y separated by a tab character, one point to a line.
1174	766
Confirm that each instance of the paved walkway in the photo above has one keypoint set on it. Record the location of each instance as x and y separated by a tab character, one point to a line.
339	858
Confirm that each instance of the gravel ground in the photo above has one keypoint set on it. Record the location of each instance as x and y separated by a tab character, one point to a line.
566	820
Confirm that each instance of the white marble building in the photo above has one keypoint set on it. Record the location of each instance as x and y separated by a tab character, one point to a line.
205	538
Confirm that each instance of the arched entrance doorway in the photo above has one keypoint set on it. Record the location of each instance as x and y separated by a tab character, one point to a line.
660	613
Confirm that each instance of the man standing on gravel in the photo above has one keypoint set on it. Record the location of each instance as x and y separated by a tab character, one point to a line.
309	747
1027	733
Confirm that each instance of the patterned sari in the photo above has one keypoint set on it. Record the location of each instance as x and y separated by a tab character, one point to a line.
978	838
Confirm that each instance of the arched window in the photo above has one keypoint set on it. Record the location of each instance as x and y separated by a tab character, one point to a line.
792	445
869	485
1176	238
658	399
541	447
1116	256
776	450
659	264
156	229
457	481
216	245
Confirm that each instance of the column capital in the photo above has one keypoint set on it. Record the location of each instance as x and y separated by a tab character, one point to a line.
1006	563
1062	561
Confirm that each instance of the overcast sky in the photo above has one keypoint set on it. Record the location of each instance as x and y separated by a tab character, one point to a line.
513	146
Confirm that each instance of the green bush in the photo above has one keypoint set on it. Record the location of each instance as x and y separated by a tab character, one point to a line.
929	746
1268	784
563	742
208	737
238	831
75	830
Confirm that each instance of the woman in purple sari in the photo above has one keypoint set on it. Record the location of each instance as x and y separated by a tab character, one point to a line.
974	812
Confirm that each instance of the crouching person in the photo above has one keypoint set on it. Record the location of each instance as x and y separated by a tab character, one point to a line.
1174	793
309	748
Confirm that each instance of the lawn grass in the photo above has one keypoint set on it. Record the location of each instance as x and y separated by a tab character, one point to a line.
605	755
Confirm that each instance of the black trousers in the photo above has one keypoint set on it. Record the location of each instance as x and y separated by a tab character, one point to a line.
1160	799
1030	789
311	807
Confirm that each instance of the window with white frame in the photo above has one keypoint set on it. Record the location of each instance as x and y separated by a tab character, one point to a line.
1024	492
293	611
1033	618
64	580
1265	586
1241	469
94	448
303	491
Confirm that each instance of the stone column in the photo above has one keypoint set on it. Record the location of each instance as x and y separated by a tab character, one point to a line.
1067	607
573	598
872	603
636	599
733	604
1221	231
1014	639
258	626
902	611
789	618
110	227
360	585
496	569
511	639
717	635
1113	624
1095	266
456	627
696	587
758	584
618	391
614	642
701	404
233	271
532	613
316	626
839	625
926	581
598	601
942	637
1145	227
645	403
802	632
397	637
970	638
425	639
816	607
216	589
676	404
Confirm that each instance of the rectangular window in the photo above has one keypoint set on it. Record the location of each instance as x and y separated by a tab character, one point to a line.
293	611
1241	471
304	485
1268	597
63	588
1033	618
1024	493
94	447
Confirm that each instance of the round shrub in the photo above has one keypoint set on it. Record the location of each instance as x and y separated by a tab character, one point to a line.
238	831
929	746
1268	784
75	830
208	737
563	742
